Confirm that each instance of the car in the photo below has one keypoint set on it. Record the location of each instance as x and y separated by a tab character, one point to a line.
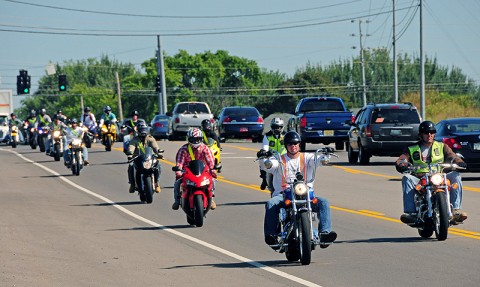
382	130
161	127
187	115
4	130
462	135
240	122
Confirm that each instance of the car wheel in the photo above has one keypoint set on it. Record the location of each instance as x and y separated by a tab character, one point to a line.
363	155
352	155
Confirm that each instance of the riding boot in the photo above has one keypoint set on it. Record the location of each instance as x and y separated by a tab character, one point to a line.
263	176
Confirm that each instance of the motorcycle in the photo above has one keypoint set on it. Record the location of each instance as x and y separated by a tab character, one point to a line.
196	191
31	135
42	134
87	137
145	164
213	146
432	200
297	234
75	150
14	136
56	148
109	134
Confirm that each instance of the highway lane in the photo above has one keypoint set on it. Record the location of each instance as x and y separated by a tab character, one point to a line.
373	248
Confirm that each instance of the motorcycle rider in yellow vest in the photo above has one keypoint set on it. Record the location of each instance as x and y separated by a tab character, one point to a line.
427	150
272	141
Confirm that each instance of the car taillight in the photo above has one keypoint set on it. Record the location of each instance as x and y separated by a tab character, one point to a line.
353	118
260	120
177	120
158	125
368	131
303	122
227	120
452	143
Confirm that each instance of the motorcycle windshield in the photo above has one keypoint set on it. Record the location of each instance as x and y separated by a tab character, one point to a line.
148	152
196	167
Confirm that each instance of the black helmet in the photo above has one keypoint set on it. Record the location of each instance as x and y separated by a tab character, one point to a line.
135	113
427	127
12	115
142	130
73	121
86	109
292	137
206	125
55	117
107	109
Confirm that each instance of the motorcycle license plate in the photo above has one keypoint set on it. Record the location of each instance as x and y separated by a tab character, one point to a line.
476	146
243	130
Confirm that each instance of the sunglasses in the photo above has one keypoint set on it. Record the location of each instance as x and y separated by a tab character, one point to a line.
290	144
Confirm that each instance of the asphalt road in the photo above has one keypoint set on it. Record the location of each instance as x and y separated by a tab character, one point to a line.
62	230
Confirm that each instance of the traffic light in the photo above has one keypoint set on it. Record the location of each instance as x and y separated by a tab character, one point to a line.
62	83
158	84
23	83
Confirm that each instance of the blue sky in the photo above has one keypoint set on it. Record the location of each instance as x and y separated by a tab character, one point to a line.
294	32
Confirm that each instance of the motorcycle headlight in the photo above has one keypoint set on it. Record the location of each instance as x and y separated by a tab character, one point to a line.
14	128
147	164
77	142
437	179
300	189
56	134
40	131
204	182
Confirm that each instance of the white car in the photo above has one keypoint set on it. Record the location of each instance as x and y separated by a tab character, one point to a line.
186	115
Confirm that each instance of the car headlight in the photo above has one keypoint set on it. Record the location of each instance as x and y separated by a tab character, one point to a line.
437	179
300	189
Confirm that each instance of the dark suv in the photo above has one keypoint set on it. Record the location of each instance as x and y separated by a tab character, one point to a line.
382	130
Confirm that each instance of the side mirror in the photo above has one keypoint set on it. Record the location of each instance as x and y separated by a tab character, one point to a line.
175	168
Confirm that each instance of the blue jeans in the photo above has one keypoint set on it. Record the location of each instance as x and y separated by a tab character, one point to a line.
67	154
408	185
272	209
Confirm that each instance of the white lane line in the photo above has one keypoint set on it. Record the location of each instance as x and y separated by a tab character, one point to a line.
172	231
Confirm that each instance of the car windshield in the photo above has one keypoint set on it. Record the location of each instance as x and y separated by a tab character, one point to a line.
322	105
471	127
160	118
391	116
191	108
241	112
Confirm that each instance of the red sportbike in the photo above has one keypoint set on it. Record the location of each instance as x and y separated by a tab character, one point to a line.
196	191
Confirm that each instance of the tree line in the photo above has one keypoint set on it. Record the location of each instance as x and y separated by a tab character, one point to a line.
221	79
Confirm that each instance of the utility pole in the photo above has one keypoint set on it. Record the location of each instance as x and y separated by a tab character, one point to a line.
162	95
395	72
119	97
422	65
362	61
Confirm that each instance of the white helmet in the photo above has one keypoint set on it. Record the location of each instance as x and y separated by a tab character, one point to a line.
277	125
195	137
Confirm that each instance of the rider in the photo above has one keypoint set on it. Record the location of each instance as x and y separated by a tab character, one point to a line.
141	140
88	120
57	124
131	127
272	140
108	116
43	119
292	162
427	150
13	121
73	132
61	116
208	132
32	122
194	149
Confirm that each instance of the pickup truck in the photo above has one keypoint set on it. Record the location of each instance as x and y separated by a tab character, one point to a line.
321	119
187	115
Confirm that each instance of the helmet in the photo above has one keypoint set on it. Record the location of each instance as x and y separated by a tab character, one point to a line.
142	130
12	115
33	113
135	113
86	110
277	125
55	117
59	111
427	127
195	137
43	111
74	121
206	125
107	109
292	137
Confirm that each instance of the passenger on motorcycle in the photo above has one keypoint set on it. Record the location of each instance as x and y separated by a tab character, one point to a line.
427	150
57	124
294	161
75	131
61	116
272	140
208	132
195	149
140	141
108	115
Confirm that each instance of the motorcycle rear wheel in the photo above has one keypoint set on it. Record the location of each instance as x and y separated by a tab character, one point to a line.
440	212
305	239
198	210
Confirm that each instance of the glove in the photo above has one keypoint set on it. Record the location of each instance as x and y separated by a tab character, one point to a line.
401	168
159	155
263	153
129	157
214	173
178	174
462	164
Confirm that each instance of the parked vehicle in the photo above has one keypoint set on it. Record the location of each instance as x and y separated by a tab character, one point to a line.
321	119
240	122
187	115
462	135
196	191
382	130
432	201
145	164
161	127
109	134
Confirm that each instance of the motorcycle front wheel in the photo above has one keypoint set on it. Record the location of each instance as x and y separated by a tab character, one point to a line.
56	152
41	144
198	210
148	189
440	212
305	237
14	143
108	143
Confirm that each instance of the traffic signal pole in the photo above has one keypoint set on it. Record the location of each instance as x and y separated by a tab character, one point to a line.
162	95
